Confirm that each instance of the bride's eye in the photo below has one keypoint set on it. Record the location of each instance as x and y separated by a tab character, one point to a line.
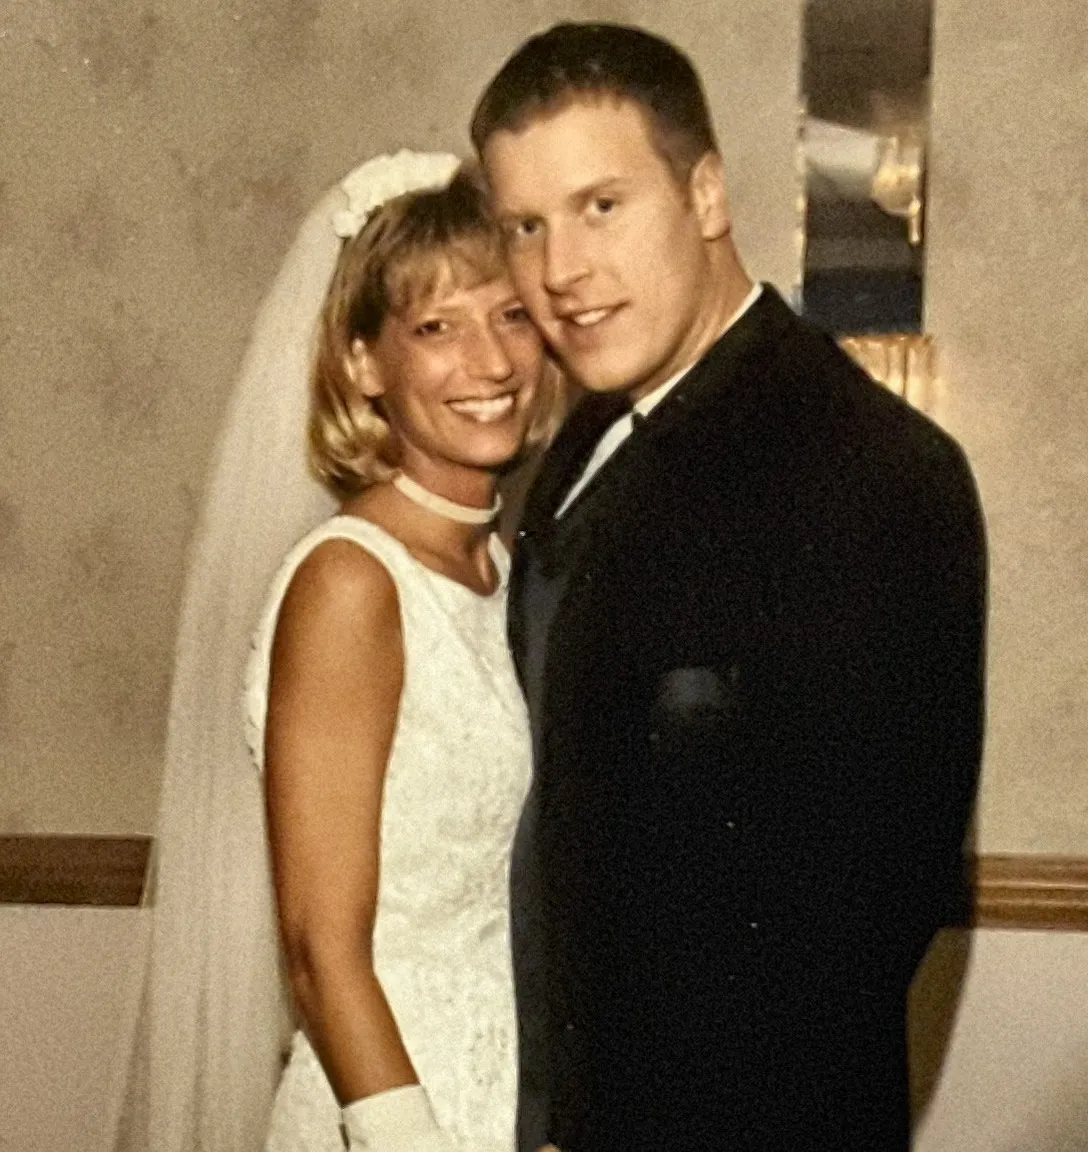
432	327
521	231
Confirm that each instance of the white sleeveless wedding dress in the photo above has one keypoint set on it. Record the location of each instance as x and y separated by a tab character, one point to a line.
457	776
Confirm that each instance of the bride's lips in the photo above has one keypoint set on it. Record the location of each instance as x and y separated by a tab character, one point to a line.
485	410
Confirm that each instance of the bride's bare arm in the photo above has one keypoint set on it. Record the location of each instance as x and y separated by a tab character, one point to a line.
337	672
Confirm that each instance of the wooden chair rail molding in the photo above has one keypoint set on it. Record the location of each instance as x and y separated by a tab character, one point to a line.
1037	892
105	871
1031	892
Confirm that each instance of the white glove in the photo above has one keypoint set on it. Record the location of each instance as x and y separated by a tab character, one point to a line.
399	1120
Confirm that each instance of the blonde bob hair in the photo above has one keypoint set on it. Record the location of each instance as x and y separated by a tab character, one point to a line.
408	249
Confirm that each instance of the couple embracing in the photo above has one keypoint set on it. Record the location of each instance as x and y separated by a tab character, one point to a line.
634	841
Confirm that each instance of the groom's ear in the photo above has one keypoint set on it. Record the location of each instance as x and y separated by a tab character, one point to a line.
709	197
362	370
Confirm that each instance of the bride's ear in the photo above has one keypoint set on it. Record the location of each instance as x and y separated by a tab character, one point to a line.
362	370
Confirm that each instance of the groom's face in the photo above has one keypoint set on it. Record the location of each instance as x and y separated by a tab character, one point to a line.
606	246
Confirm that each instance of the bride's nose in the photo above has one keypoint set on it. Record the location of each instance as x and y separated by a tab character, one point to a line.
486	357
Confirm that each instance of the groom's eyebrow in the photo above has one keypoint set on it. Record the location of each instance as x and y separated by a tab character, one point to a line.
603	184
577	198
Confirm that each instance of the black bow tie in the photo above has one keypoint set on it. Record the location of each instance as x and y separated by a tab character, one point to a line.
605	408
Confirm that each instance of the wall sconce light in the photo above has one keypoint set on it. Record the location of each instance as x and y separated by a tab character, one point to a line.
897	182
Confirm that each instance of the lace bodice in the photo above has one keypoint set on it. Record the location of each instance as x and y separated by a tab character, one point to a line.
455	782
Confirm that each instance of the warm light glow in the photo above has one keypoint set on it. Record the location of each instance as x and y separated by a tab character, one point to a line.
907	364
897	184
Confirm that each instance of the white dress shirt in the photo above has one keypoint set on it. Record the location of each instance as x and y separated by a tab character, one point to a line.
624	426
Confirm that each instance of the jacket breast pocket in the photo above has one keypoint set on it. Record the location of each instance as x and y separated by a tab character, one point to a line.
698	700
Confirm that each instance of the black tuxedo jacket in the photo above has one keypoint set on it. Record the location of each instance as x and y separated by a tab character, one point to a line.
753	655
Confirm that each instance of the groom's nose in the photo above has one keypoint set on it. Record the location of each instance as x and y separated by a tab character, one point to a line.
565	258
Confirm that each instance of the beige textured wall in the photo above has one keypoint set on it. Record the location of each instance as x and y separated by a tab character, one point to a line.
154	160
1016	1058
1006	291
69	992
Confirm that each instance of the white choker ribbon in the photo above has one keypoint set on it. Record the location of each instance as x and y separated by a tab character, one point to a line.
440	506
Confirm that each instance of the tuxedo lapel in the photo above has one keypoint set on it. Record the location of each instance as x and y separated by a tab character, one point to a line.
569	454
537	541
628	484
561	468
625	481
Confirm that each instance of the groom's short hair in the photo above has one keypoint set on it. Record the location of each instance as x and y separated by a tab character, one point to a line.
594	61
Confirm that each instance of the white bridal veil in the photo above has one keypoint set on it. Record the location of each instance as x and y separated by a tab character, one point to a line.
215	1019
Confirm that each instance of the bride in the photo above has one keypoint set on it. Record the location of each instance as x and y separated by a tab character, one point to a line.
381	705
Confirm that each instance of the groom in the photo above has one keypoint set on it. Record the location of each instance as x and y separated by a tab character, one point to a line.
747	610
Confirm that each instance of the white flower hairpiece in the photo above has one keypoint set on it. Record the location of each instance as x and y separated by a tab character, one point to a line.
385	177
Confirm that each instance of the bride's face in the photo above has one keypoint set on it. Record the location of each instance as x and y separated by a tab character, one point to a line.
455	376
